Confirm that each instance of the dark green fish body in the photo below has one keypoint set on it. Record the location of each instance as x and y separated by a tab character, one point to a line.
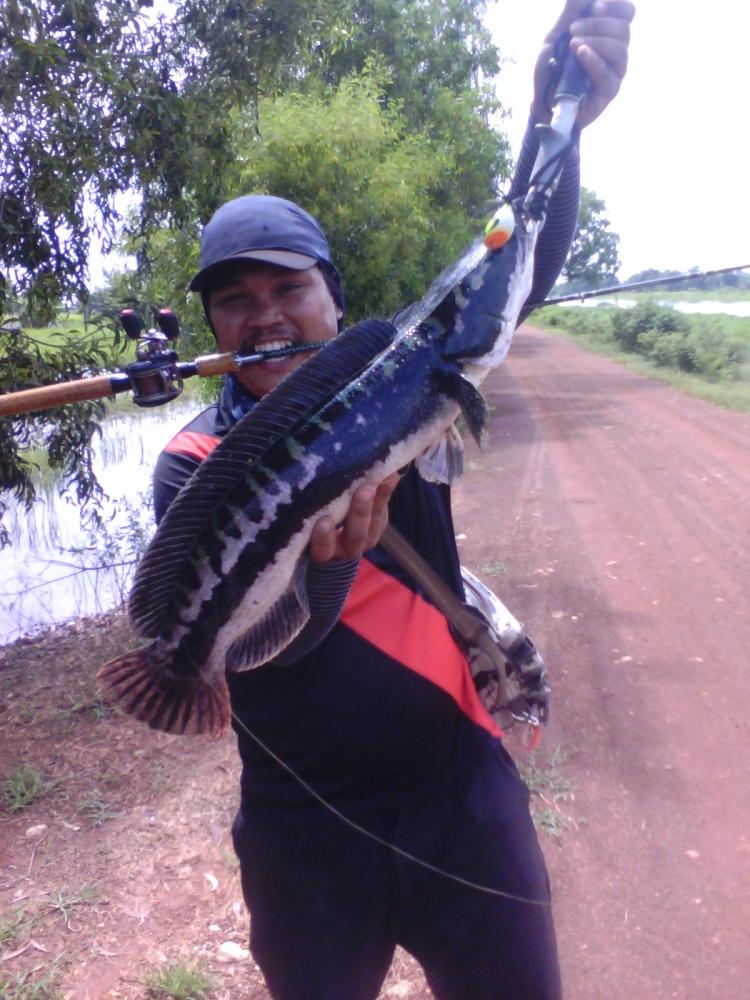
222	585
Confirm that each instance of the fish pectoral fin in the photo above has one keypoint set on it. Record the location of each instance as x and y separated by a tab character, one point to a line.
275	630
469	398
142	684
443	462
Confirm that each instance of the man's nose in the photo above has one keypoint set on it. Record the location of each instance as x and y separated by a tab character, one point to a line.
266	313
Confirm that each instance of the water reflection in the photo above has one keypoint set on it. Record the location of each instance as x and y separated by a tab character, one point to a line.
706	307
41	582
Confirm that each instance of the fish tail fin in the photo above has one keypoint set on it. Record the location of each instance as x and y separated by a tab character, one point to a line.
144	686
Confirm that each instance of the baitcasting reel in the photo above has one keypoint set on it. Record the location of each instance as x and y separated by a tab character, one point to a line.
154	376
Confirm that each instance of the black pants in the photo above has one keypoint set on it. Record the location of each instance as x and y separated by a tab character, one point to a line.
328	905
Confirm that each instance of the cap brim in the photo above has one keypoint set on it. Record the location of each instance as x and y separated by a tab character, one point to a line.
282	258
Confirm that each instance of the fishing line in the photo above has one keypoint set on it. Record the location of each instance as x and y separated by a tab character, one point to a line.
369	833
279	352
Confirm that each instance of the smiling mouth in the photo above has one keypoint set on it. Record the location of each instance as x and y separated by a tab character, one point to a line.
270	347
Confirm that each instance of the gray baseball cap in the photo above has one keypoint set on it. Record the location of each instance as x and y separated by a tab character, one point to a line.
263	227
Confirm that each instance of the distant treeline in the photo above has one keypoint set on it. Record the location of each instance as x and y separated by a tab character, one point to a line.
739	280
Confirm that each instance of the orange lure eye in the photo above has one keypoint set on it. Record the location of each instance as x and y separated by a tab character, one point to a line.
500	228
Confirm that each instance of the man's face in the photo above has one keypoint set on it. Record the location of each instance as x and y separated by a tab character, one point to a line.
256	306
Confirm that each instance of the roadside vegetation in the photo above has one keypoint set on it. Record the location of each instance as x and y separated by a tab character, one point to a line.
724	293
706	356
551	789
179	982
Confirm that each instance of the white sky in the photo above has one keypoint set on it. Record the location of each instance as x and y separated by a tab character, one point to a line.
670	155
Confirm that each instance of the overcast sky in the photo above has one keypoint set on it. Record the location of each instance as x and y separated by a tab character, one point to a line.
670	155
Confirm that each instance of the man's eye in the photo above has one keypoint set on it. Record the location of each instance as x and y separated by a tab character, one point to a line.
233	302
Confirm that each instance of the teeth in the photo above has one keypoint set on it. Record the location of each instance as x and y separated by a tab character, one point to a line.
273	345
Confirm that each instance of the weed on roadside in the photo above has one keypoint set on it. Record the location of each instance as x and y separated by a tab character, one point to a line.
13	925
88	700
493	568
24	786
23	987
549	786
179	981
65	901
96	809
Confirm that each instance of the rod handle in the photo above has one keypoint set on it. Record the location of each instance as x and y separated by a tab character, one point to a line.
46	396
215	364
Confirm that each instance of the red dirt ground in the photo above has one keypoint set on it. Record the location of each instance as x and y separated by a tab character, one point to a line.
611	513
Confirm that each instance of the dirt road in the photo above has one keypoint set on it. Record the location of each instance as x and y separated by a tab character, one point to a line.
612	515
621	514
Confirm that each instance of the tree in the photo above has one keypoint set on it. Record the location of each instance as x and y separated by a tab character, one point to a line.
99	97
424	45
66	434
103	96
650	274
397	205
593	259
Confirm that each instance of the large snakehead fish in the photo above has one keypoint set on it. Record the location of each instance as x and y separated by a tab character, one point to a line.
222	584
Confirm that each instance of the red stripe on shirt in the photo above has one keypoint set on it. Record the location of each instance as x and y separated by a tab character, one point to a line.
194	444
408	629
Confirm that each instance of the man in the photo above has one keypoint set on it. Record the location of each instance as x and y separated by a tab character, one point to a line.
379	806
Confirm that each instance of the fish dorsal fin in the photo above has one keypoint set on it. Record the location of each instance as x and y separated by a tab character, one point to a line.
275	630
280	413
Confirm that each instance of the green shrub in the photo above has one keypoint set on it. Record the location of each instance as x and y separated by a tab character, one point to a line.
716	353
629	325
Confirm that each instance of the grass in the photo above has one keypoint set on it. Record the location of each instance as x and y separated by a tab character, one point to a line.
88	700
493	568
24	987
66	902
23	787
179	981
13	925
96	809
549	786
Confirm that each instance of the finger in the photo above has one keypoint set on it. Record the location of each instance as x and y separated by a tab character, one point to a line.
353	535
573	9
605	84
604	29
576	10
622	9
611	52
379	518
384	492
323	541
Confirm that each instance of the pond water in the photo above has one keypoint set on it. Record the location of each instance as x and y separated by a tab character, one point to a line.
707	307
51	572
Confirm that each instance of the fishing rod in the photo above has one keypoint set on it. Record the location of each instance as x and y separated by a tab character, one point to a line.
634	285
155	377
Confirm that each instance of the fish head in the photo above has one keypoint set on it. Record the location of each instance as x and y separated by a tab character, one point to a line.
479	316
